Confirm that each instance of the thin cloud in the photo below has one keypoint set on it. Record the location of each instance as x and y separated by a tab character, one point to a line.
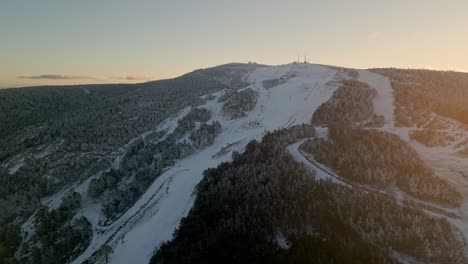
55	77
134	78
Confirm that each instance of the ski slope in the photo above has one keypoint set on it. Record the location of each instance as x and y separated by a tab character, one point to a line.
383	103
443	160
292	93
152	220
136	235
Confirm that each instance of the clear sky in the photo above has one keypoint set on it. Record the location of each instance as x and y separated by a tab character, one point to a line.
103	41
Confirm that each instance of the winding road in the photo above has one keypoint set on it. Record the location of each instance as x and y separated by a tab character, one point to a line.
323	173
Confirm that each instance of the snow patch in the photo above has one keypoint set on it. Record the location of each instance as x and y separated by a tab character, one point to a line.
321	132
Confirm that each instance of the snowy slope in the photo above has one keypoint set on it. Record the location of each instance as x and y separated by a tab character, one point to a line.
443	160
136	235
154	217
287	95
298	90
383	103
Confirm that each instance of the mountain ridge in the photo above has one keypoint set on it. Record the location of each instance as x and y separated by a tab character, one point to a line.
144	179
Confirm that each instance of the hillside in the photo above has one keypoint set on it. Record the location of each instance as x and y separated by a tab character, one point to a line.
240	163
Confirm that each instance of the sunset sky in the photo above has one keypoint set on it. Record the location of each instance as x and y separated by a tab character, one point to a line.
88	41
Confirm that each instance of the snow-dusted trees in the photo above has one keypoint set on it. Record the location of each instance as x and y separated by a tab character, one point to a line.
188	122
53	136
433	137
145	160
242	205
371	157
268	84
10	239
58	237
239	103
418	93
393	228
382	160
245	207
350	103
205	135
101	116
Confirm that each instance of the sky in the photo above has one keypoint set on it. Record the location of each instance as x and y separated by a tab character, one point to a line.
88	41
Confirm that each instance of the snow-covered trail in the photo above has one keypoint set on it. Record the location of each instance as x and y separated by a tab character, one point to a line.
383	103
320	173
161	216
441	159
453	169
153	218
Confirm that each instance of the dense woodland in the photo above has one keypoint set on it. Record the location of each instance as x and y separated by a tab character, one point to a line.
433	137
381	160
263	207
238	103
53	136
146	159
351	103
58	238
94	117
369	156
420	92
433	102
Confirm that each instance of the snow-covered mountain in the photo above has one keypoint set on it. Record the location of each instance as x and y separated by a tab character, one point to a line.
129	196
291	102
